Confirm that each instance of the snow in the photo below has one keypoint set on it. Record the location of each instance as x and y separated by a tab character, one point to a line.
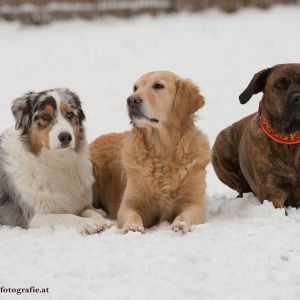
244	250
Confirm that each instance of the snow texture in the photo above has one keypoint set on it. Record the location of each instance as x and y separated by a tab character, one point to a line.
245	250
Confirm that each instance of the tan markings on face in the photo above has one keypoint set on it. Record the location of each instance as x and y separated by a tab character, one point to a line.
39	131
66	109
157	102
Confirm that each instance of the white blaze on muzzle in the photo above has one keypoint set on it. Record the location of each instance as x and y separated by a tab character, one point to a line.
61	126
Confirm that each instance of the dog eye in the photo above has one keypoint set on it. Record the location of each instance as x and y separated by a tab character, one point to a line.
282	84
158	86
135	88
70	115
46	118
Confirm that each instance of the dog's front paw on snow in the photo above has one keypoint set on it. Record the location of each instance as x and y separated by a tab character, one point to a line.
180	226
133	227
103	225
90	226
106	225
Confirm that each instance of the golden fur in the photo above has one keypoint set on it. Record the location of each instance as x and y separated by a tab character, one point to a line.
156	171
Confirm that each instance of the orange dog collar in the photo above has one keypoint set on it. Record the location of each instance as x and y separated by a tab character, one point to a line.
282	139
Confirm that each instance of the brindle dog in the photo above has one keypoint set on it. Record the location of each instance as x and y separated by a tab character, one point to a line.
246	159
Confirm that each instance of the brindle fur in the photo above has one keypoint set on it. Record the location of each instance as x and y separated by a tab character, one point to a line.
246	160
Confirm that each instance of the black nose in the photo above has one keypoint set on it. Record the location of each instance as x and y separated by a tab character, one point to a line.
295	98
134	100
65	138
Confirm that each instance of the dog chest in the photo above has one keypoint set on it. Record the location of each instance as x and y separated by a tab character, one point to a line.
162	185
50	182
54	190
270	167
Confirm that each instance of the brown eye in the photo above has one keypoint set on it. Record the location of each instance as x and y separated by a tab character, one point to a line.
135	88
158	86
70	115
46	118
282	84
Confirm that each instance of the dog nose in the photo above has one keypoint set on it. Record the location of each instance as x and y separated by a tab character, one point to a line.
295	98
65	138
134	100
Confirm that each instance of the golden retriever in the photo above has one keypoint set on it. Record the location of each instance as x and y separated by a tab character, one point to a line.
156	171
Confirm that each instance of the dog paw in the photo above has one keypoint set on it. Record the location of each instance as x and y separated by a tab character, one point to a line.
133	227
90	226
105	225
180	226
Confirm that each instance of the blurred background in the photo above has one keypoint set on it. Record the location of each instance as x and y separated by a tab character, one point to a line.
45	11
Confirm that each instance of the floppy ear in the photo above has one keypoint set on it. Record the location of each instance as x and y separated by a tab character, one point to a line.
77	102
255	86
81	116
21	109
188	99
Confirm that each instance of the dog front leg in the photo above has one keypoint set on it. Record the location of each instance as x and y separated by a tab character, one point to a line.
278	202
190	215
272	194
82	224
129	219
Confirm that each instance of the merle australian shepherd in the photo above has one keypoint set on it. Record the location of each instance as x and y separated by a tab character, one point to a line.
45	174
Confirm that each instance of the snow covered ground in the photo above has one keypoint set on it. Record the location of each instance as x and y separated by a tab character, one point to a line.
245	250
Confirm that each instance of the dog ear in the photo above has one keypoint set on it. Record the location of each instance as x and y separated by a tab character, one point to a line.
77	103
188	99
21	109
81	116
255	86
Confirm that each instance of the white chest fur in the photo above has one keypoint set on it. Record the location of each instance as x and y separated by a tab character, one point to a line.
53	182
